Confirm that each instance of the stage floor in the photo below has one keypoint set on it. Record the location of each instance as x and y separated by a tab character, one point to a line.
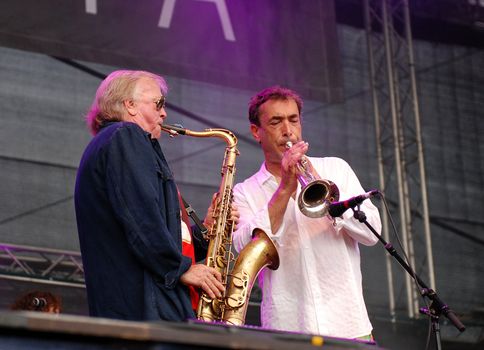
34	330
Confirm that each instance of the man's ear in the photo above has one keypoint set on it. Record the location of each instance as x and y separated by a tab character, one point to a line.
254	129
130	106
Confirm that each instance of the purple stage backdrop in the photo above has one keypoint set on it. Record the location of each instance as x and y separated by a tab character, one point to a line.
247	44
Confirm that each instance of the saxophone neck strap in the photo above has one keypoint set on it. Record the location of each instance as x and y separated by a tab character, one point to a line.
191	213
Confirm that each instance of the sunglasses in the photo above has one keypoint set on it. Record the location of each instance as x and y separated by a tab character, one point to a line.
160	103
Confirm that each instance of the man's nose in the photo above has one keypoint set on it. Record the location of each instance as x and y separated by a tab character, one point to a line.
163	112
286	128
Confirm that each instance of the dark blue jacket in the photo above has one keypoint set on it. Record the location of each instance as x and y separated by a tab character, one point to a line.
128	219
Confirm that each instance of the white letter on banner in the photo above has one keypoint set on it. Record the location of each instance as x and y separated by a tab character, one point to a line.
169	5
91	6
166	13
224	19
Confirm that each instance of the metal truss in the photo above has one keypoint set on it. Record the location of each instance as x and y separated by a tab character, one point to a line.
399	145
463	12
41	265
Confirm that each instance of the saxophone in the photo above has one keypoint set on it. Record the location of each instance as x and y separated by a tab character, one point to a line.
231	308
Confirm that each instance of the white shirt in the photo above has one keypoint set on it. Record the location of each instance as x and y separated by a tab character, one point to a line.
317	288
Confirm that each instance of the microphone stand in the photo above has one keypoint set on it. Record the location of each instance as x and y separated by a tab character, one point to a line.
437	307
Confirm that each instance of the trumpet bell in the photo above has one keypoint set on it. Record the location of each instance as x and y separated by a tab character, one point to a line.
316	196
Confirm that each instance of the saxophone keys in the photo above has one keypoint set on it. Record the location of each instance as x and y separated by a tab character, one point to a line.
206	299
221	262
240	279
235	300
216	308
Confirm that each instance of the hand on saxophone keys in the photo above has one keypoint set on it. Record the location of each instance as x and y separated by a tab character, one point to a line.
234	215
204	277
209	218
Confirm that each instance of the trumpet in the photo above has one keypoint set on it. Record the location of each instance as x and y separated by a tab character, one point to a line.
316	194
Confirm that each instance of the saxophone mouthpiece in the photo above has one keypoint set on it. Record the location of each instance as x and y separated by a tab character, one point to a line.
173	130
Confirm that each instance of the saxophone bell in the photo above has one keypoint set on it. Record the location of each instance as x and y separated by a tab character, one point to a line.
316	194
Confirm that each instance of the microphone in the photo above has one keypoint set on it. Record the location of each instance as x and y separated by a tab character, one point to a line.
39	303
338	208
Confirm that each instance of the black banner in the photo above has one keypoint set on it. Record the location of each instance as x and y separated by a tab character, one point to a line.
249	44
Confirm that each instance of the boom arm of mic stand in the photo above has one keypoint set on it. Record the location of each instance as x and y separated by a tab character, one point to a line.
437	306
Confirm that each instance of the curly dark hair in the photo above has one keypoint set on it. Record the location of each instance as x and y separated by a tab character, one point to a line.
271	93
38	301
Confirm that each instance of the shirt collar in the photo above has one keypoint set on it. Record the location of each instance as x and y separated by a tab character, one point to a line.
108	123
263	175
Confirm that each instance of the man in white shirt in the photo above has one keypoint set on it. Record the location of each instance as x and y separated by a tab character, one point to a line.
317	288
